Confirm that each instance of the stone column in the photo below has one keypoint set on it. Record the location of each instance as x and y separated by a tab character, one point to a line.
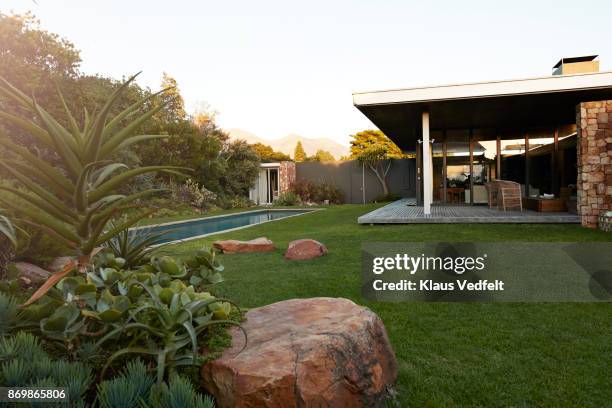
594	128
286	175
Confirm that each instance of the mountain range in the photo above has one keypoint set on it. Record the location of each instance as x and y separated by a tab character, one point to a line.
287	144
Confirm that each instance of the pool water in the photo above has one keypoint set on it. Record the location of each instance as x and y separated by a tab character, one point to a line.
195	228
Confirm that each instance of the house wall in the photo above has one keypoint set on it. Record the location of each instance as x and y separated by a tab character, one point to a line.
349	177
287	175
594	127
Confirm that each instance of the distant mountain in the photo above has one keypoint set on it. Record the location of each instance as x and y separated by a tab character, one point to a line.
287	144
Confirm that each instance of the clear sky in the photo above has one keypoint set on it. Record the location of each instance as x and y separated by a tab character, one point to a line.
279	67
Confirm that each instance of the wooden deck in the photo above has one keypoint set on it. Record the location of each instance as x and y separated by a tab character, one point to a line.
405	212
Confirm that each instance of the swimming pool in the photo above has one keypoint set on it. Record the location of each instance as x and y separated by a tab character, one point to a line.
192	229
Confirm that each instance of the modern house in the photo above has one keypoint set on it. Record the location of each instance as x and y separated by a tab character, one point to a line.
551	135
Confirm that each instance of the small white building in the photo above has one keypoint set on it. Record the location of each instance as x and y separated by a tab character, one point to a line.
273	179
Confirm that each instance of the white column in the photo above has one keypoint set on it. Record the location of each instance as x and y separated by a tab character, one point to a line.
427	167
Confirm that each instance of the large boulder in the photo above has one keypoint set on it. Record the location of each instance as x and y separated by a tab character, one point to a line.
232	246
305	249
305	353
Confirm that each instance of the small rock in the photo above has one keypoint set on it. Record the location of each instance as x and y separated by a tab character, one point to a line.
305	249
319	352
58	263
232	246
31	273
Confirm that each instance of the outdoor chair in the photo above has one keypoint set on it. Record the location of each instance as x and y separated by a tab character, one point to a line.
492	190
509	195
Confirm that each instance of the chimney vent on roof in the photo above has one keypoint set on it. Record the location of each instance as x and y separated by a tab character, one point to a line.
576	65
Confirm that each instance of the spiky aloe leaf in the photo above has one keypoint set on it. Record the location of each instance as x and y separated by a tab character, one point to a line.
30	127
39	203
94	138
8	230
113	142
130	110
36	188
120	179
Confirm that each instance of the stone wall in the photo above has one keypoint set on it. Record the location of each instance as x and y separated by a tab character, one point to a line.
594	127
286	174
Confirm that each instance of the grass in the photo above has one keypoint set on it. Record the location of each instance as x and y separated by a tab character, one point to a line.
449	354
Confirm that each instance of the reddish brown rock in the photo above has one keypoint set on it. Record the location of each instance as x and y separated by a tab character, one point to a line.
305	353
305	249
232	246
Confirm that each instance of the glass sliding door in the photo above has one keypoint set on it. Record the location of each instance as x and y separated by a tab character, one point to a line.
457	166
437	150
512	157
484	164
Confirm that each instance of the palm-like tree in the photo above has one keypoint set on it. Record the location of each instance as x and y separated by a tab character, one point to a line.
75	203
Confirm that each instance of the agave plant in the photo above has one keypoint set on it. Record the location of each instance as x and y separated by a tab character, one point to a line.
135	246
75	203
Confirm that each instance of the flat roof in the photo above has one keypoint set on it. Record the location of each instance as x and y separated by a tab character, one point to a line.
516	103
546	84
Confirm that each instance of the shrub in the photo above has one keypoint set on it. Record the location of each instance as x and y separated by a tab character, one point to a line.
387	198
9	313
240	202
288	198
330	192
195	195
158	310
227	202
24	363
42	248
306	189
310	191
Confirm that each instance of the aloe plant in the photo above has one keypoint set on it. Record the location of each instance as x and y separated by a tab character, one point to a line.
75	203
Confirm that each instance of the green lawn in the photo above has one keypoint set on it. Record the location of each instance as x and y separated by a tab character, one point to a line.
450	354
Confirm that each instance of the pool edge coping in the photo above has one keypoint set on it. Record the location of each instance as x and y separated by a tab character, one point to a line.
180	241
223	215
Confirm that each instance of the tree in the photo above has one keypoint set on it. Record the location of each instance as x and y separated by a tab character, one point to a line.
267	154
374	149
299	154
241	168
323	156
374	138
35	61
31	58
174	104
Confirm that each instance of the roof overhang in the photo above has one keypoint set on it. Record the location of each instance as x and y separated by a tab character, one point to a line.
545	101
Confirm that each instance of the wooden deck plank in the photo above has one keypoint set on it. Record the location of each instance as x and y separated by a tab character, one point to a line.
405	212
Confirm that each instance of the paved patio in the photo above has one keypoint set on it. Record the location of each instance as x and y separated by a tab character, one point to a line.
405	211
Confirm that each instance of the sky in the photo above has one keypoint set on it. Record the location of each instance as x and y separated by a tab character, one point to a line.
279	67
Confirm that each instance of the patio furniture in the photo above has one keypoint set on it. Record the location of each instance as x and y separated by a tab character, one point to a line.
492	190
480	194
509	195
545	204
454	194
